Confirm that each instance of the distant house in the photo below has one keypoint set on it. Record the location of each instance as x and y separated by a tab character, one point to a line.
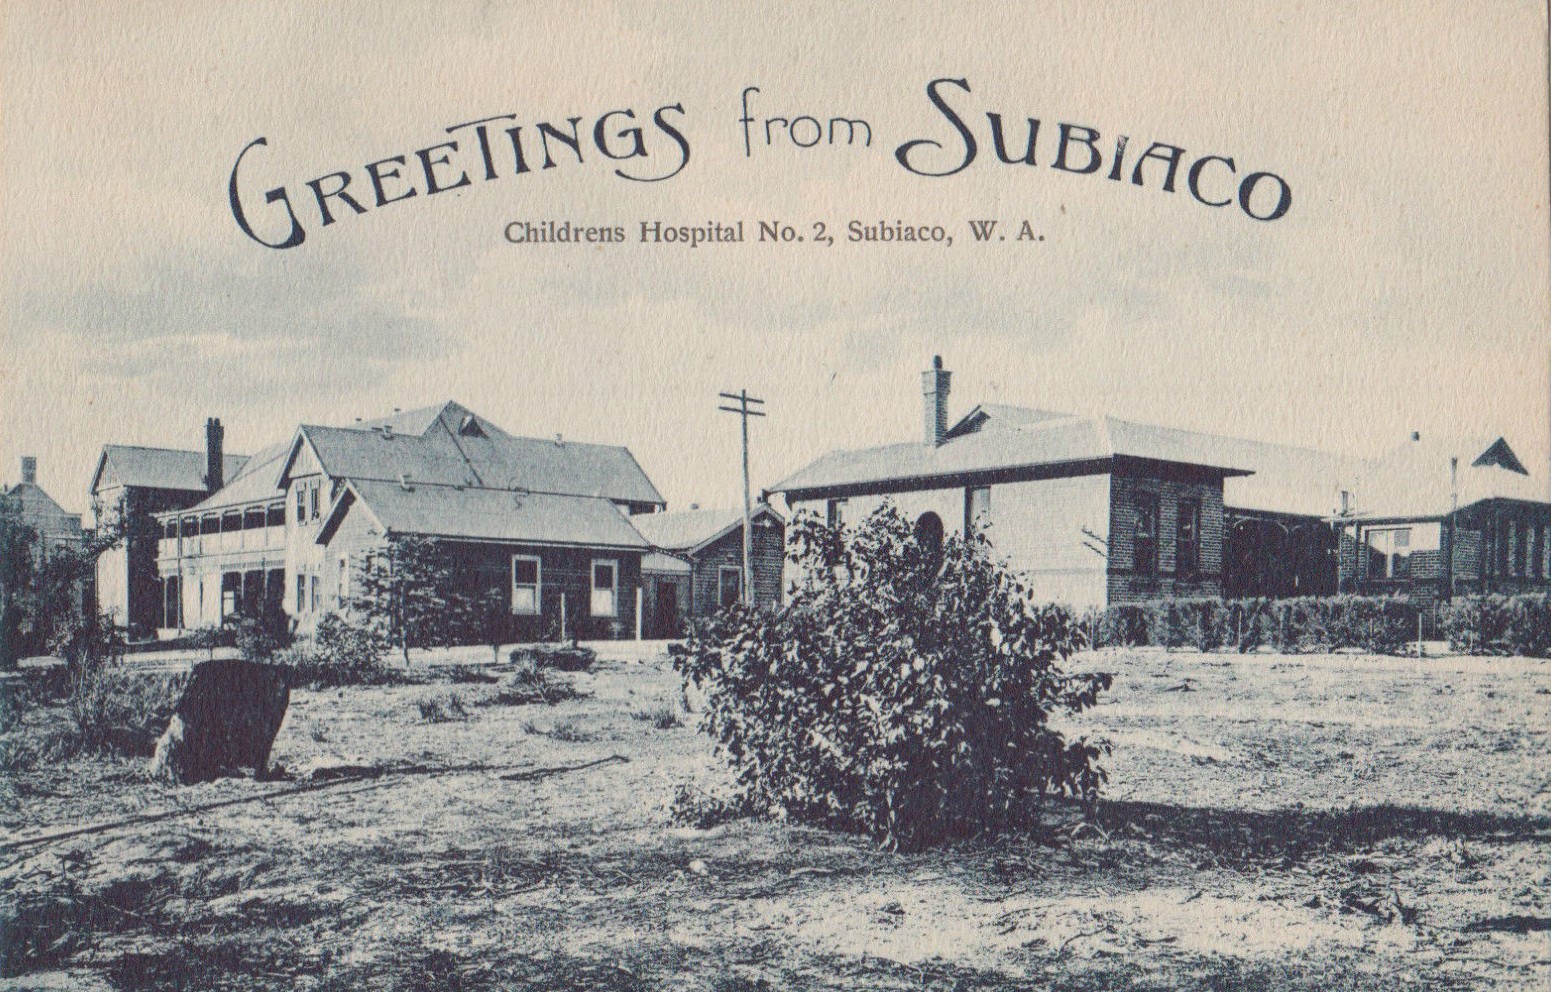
545	524
129	486
56	528
696	566
1097	510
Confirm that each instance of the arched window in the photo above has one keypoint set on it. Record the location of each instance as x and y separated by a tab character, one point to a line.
928	532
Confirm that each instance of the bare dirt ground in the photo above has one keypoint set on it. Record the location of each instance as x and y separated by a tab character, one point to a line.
1271	823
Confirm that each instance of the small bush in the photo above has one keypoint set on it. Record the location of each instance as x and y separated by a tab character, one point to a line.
1499	625
113	710
903	691
661	717
528	686
341	654
442	707
693	806
568	731
258	638
560	657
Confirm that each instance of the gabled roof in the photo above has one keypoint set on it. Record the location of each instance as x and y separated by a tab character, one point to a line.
1414	479
158	468
690	530
39	510
1035	440
257	480
485	515
436	445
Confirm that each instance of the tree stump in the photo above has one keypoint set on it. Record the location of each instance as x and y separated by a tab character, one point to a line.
227	720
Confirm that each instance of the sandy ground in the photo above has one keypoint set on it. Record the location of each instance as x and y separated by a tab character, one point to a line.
1270	823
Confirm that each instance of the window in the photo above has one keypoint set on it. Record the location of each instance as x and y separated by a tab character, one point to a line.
1144	547
526	572
275	515
1520	540
1394	552
928	533
977	508
729	585
1500	532
301	593
605	575
170	530
1187	539
301	503
344	579
312	499
835	513
210	524
172	603
313	584
231	587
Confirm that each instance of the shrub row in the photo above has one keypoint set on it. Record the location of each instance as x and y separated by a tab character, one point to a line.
1376	624
1516	625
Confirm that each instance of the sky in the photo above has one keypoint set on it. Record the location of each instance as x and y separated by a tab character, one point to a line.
1406	288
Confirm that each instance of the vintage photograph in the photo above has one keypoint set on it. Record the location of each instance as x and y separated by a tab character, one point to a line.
721	496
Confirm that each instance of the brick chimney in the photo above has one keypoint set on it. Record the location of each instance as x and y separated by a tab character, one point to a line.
935	385
29	470
215	455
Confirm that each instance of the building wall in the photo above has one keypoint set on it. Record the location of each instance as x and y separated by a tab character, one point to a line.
1051	531
769	554
1126	584
659	622
565	574
128	581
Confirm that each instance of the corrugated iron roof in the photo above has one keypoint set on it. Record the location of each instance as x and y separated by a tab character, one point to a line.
256	482
488	515
685	530
1033	441
656	561
1413	479
442	454
41	512
160	468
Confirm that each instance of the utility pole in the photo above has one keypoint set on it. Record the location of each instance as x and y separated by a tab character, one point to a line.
745	410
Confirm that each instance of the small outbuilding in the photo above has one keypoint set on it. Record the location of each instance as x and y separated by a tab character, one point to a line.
696	565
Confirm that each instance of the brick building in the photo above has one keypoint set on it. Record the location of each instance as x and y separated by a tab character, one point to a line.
1097	510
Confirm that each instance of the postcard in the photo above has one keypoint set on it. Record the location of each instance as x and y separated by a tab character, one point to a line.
737	496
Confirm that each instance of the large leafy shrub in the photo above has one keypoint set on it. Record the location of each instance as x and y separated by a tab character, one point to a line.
905	690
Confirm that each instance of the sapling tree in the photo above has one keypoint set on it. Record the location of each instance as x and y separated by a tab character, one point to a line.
904	690
403	588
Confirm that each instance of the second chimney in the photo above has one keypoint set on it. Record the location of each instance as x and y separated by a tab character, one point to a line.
935	385
215	455
29	470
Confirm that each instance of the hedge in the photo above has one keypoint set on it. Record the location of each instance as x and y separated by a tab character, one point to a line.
1516	625
1376	624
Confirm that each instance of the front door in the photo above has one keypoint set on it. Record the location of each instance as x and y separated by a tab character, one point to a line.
667	620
